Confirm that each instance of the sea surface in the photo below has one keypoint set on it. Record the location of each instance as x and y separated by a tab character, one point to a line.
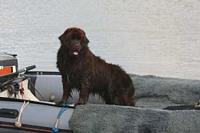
156	37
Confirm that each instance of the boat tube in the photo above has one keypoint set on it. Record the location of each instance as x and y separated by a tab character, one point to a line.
21	111
45	85
36	116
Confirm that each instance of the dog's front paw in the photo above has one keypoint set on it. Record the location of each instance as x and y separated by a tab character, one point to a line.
81	101
60	103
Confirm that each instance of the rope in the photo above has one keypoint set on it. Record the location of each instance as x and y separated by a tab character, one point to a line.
18	123
22	89
62	110
33	86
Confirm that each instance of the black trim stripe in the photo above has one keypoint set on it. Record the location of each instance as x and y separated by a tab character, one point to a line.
34	102
41	73
26	127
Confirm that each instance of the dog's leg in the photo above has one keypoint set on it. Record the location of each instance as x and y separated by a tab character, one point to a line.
84	92
66	91
107	99
128	96
128	100
121	94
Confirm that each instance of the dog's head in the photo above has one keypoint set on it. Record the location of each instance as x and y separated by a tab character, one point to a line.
74	40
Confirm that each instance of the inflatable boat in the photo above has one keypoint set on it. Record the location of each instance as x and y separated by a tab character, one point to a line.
30	116
27	99
47	86
22	111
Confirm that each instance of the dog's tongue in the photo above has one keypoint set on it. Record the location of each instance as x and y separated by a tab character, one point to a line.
75	53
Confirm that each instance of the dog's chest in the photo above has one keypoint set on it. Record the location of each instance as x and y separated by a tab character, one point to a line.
73	80
74	74
77	78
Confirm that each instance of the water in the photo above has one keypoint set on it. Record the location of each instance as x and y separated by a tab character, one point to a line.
157	37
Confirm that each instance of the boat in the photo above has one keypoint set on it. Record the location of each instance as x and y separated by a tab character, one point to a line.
21	110
38	91
19	116
47	86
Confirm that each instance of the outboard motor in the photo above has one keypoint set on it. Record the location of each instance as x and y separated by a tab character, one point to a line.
8	65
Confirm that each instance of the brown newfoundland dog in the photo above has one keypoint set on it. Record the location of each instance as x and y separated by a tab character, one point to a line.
82	70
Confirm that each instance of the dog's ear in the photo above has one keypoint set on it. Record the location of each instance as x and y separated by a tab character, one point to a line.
86	41
64	34
60	37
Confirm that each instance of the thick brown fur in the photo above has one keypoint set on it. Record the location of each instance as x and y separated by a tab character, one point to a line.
82	70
